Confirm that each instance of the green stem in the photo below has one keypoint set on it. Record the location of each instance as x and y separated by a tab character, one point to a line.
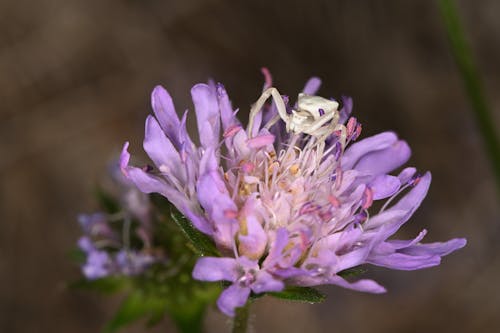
464	59
240	322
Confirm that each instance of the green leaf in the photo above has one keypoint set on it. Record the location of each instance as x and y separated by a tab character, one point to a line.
107	285
464	57
350	272
203	244
300	294
109	204
136	306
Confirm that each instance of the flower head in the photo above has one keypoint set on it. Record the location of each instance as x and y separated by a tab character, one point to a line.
288	199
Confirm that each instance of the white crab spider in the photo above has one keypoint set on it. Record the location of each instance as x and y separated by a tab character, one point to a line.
306	118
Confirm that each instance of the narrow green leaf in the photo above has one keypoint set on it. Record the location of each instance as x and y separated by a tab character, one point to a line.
300	294
201	242
350	272
464	59
136	306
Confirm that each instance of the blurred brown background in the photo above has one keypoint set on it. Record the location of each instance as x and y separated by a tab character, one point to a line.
75	78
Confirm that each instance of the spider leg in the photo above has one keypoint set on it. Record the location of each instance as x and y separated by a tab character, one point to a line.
256	108
273	121
317	124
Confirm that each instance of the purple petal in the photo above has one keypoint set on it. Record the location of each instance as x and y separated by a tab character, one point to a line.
85	244
227	115
312	86
230	124
214	198
207	114
357	150
148	183
401	244
253	244
161	151
365	285
384	186
208	162
185	142
232	298
215	269
438	248
405	175
346	239
352	258
388	217
414	198
386	160
97	265
346	110
199	221
403	261
388	222
124	159
277	247
266	282
164	111
290	272
88	222
213	195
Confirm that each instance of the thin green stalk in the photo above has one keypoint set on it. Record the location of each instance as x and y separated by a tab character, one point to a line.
470	76
240	322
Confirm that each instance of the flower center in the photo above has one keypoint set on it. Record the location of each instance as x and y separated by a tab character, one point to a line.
248	277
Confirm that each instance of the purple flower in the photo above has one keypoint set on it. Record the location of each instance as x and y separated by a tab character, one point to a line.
107	249
288	200
98	265
132	262
245	275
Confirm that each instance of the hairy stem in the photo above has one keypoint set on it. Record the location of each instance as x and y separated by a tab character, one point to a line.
240	322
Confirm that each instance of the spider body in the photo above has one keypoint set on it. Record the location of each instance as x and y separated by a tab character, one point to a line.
314	115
